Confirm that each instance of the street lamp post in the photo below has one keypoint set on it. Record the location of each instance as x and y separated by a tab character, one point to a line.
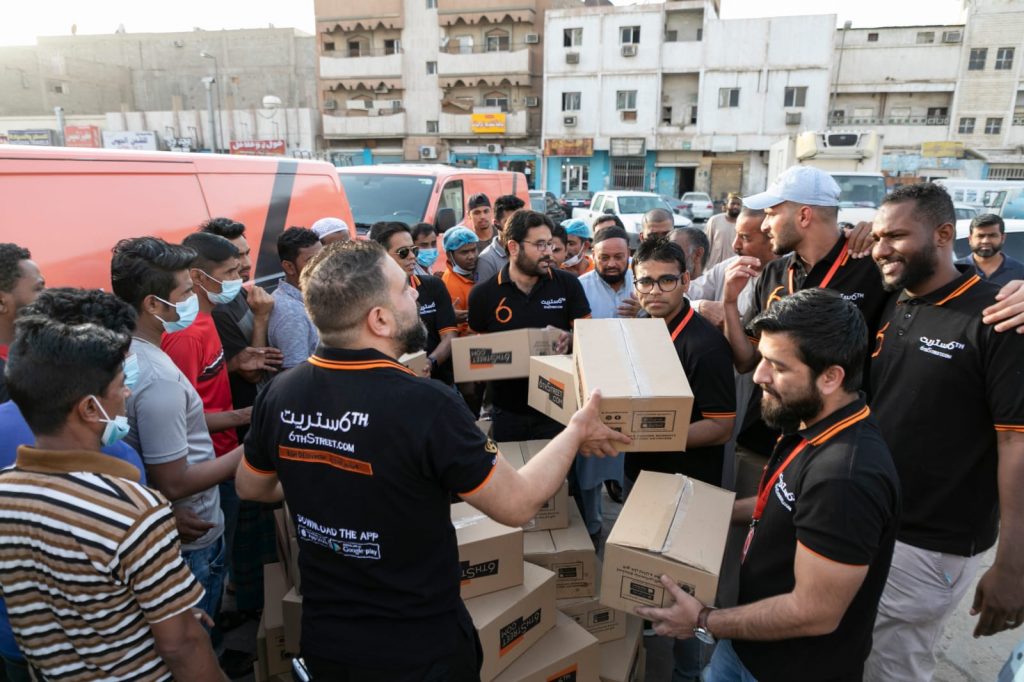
208	83
220	109
835	86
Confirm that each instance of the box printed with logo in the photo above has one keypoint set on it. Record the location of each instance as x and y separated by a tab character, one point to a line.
603	622
644	392
554	513
417	362
567	653
623	660
510	621
671	525
500	355
490	553
568	552
553	387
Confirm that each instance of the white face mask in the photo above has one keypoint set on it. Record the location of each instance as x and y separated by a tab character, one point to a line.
573	261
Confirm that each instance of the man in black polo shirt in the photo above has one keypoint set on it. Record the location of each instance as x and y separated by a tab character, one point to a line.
367	456
435	303
949	396
529	292
823	524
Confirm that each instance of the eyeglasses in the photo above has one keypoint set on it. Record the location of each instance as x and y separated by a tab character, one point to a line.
404	251
541	246
666	283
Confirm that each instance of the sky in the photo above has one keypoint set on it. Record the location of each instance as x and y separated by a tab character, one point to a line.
23	21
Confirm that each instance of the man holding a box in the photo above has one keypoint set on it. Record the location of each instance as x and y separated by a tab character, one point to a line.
823	525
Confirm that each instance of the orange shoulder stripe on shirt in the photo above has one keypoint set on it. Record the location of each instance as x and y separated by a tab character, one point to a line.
719	415
259	472
445	330
1010	427
961	289
822	556
840	426
483	482
358	365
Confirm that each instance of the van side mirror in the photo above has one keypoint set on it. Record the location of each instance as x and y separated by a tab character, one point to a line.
444	220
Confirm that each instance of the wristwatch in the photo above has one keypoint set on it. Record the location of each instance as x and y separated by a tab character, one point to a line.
701	631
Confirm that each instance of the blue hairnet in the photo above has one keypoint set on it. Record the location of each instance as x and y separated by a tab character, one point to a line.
577	228
457	237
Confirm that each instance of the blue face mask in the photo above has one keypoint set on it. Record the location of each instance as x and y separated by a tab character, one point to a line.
229	289
462	271
187	311
116	429
131	371
426	257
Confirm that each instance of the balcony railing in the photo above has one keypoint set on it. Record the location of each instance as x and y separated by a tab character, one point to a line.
351	53
891	121
453	47
1018	119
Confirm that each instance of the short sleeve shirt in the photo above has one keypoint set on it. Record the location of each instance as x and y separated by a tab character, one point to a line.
945	385
290	330
839	498
499	305
368	478
234	322
438	316
458	287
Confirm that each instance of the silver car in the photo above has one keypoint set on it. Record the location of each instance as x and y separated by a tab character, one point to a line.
700	203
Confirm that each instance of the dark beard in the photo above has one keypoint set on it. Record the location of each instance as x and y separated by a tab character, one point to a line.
413	338
612	279
992	250
916	269
787	415
528	267
733	214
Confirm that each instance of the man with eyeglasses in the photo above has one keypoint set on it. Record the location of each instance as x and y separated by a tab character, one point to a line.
529	292
661	282
435	304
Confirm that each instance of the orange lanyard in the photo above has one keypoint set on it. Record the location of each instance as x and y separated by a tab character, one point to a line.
686	321
831	271
764	491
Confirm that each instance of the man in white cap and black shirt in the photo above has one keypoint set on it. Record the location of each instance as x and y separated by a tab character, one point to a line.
331	230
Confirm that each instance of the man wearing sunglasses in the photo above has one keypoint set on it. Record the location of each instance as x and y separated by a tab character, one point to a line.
435	304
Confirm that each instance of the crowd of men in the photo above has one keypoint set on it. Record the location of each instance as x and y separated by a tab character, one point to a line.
868	411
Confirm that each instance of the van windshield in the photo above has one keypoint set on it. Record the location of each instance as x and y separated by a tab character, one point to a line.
860	191
375	196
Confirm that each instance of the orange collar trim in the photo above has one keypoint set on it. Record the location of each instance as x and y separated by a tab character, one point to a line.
354	365
841	426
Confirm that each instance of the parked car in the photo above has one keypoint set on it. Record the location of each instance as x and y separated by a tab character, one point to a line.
630	207
701	205
545	202
577	198
678	206
965	211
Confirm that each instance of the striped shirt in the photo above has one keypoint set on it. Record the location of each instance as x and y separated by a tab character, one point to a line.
88	558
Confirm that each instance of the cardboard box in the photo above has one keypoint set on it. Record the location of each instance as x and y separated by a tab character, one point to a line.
553	387
293	565
511	621
644	391
485	426
417	362
291	614
554	513
501	355
671	525
603	622
490	553
271	627
566	653
623	659
569	553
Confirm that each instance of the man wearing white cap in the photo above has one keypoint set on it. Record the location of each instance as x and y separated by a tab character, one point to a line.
331	230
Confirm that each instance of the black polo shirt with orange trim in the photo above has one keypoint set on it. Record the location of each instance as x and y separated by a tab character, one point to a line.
707	362
438	315
855	279
839	498
945	385
368	455
498	305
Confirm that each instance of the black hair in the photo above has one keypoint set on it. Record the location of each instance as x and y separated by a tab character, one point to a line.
605	217
11	256
53	365
522	221
697	240
611	232
932	202
420	229
293	240
146	266
381	232
83	306
506	204
223	227
988	220
558	232
827	329
211	250
660	250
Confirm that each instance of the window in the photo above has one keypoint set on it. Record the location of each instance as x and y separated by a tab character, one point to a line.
572	37
452	197
872	37
977	59
966	126
496	99
354	48
628	174
60	88
625	100
629	35
937	116
1004	59
431	126
497	41
993	126
671	36
666	116
431	4
328	47
837	115
431	68
899	114
925	37
728	98
693	115
571	101
863	112
700	34
795	97
392	46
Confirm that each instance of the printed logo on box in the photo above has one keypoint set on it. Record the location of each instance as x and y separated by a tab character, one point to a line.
513	633
654	421
600	617
481	570
567	675
554	389
480	358
571	571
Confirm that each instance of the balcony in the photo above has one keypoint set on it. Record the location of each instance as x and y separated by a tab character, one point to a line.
468	64
345	15
870	121
364	66
682	56
899	131
460	125
390	125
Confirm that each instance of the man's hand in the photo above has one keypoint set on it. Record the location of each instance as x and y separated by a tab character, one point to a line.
1008	312
190	526
267	359
629	307
737	275
564	340
596	438
999	598
260	302
859	239
203	617
427	367
713	312
460	314
677	620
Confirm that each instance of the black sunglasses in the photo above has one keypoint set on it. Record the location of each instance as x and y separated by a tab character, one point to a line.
404	251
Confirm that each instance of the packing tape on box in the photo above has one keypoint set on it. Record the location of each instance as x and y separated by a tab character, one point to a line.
682	503
468	521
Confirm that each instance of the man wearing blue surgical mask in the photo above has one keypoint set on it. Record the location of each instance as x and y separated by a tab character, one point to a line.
424	236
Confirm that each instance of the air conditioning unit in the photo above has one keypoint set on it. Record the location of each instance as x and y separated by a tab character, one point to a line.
367	103
569	121
533	101
572	57
952	36
428	152
531	39
330	105
629	50
494	149
793	118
